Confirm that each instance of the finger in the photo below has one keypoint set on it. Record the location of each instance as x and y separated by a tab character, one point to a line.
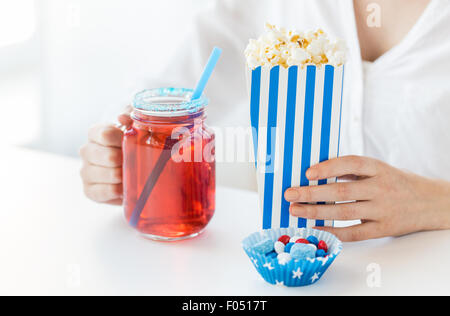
103	192
128	109
354	233
350	177
93	174
343	212
115	202
101	156
106	135
124	118
333	192
349	165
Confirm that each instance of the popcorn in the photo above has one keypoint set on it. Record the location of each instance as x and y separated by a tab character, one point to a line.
279	47
298	56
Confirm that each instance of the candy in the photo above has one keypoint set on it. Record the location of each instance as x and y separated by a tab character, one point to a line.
321	253
284	258
313	240
294	239
264	246
279	247
288	247
272	254
323	245
303	251
284	239
302	241
313	246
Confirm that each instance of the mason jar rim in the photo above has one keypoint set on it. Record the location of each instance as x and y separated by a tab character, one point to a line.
168	102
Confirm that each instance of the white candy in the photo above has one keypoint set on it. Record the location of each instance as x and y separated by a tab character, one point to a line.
294	239
279	247
284	258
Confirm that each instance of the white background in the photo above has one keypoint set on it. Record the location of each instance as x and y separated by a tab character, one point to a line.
67	64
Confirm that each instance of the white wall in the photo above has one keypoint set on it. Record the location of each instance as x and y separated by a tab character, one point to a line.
90	56
19	76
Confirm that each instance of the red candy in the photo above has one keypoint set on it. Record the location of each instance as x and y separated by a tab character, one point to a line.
302	241
284	239
323	245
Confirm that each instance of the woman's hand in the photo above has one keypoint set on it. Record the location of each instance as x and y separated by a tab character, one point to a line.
102	162
388	201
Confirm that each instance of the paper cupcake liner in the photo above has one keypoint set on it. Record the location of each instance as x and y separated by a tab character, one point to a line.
295	272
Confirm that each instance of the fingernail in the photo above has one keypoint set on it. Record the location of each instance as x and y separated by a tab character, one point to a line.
292	209
291	195
311	174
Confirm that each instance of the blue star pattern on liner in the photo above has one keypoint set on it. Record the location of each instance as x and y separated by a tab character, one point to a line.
297	274
315	277
323	260
255	262
268	266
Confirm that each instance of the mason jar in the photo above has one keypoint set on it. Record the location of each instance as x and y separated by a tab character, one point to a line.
169	165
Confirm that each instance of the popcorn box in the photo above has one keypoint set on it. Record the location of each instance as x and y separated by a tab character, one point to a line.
295	115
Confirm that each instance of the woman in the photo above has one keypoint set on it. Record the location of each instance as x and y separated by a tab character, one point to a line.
395	109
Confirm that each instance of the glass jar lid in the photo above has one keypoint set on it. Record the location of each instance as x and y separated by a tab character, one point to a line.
168	102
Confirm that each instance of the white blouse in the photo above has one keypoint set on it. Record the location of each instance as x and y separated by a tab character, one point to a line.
405	106
396	109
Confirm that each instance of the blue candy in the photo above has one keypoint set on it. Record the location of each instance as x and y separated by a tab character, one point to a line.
313	240
288	247
303	251
272	254
321	253
264	246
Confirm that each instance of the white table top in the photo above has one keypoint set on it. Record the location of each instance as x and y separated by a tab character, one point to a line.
54	241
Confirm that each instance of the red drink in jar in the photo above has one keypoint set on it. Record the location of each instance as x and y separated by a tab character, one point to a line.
168	165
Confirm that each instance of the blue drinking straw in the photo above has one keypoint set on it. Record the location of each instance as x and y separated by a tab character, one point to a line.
166	154
212	62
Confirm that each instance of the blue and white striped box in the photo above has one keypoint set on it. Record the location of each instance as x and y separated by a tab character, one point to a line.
295	117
